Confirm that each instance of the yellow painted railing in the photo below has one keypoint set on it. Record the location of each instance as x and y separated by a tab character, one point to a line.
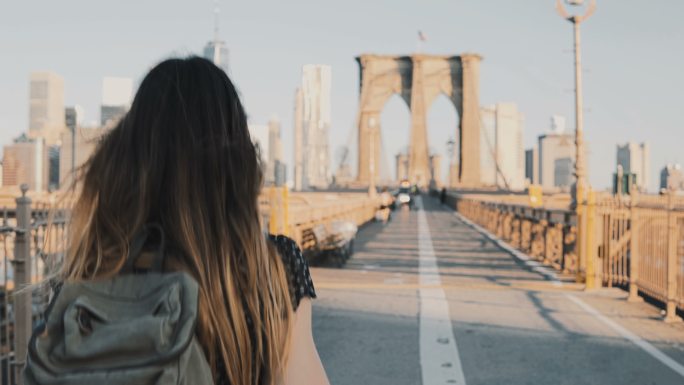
635	242
33	232
295	214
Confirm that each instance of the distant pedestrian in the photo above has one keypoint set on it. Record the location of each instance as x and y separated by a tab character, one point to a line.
171	193
386	201
442	195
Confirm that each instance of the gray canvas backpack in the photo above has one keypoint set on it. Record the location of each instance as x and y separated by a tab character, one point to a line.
130	329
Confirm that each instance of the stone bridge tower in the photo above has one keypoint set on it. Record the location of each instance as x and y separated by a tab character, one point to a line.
419	79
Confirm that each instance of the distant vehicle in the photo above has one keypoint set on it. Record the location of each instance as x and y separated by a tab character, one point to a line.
404	196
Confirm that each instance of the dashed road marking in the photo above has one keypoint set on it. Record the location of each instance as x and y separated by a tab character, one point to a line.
439	359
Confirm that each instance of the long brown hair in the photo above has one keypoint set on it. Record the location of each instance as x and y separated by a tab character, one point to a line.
182	157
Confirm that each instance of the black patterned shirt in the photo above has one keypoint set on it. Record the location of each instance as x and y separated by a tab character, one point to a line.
298	277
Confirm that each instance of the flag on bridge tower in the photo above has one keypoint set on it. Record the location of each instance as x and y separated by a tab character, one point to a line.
421	36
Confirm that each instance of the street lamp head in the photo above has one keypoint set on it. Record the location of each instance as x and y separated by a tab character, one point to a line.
575	18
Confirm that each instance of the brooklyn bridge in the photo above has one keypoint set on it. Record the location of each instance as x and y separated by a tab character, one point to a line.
440	283
434	298
507	263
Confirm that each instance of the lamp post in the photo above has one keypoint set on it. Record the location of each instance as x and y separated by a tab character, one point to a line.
580	162
585	265
450	150
73	156
371	188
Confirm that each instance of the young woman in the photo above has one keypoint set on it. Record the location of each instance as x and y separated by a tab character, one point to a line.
182	157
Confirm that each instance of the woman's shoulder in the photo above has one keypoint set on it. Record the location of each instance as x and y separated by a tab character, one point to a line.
284	243
297	268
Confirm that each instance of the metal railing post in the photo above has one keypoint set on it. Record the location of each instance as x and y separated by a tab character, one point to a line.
590	251
286	211
23	315
580	235
634	257
671	310
274	207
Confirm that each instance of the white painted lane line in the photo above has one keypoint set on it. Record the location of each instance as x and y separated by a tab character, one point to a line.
635	339
439	359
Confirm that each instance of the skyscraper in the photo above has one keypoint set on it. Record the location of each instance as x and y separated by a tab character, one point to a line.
280	174
117	94
556	156
73	116
312	122
555	152
62	169
76	150
26	161
266	137
502	159
46	106
488	146
53	167
557	124
532	165
275	152
634	159
672	178
298	141
260	137
401	166
216	49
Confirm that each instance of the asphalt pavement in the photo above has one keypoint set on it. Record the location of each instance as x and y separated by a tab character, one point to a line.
428	299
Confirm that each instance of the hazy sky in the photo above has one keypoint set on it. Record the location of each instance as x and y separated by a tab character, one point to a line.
632	52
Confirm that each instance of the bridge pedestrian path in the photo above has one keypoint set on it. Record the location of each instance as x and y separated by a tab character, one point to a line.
428	299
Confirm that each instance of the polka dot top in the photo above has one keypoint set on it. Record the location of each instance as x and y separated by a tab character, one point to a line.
297	269
299	282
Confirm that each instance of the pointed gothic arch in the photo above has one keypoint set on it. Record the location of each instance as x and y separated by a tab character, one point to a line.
419	79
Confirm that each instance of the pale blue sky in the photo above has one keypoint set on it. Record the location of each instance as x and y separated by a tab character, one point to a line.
632	54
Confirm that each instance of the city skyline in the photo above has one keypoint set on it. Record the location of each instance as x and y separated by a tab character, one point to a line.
536	75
